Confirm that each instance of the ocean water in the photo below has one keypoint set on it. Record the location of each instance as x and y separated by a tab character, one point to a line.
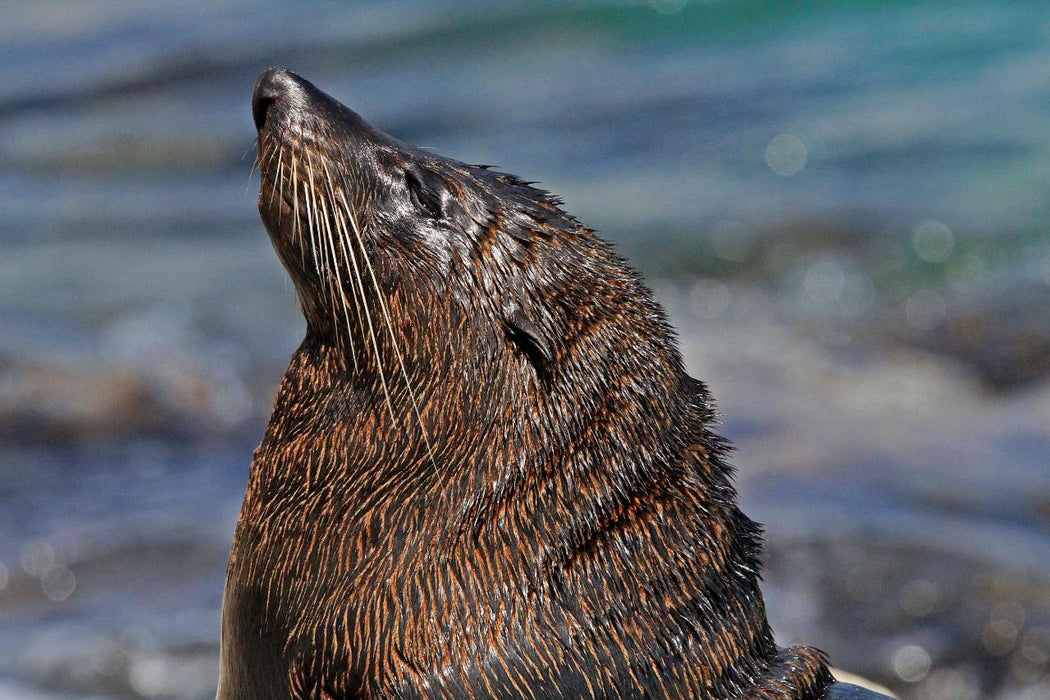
842	205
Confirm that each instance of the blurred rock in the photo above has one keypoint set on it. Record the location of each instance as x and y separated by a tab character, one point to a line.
59	403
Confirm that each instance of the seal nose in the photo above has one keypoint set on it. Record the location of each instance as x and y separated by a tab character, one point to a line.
281	98
269	88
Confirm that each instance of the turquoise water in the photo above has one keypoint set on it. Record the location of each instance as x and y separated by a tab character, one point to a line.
842	204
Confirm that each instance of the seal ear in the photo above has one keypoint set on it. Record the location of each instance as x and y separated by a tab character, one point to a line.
427	190
524	333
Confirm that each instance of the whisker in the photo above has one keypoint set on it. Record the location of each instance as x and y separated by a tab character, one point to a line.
393	340
345	238
255	163
277	177
338	277
254	144
347	247
321	271
317	200
271	152
329	218
311	217
278	183
296	224
340	224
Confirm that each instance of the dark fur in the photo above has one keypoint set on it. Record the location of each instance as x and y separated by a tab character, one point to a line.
535	506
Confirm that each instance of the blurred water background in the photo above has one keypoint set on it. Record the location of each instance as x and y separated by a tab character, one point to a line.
842	204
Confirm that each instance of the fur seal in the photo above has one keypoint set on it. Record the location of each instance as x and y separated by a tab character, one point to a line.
487	473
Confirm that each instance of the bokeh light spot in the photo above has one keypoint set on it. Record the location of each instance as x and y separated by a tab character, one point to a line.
933	241
149	676
1036	646
952	684
36	557
786	155
824	282
911	663
58	583
1007	618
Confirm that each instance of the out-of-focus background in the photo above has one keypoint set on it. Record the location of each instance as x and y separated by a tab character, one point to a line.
842	204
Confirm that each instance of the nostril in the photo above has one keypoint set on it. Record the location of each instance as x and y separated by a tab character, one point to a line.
260	105
272	84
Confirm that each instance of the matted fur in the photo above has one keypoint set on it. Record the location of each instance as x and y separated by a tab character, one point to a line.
487	473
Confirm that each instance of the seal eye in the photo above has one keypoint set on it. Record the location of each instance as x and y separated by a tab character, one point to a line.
425	189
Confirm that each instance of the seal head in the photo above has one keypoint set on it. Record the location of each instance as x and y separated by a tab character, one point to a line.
487	473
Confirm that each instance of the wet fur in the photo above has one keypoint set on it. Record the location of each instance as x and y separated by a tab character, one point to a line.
506	484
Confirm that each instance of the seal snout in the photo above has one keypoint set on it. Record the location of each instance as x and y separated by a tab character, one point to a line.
274	85
282	98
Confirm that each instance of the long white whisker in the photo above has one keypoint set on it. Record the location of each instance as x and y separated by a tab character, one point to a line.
340	226
277	177
278	183
350	261
326	264
368	317
311	218
393	339
254	144
297	227
335	266
255	163
347	247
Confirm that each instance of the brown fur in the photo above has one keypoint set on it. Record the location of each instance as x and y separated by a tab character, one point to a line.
487	473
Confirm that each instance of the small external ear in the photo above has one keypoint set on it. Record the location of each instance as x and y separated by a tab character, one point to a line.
427	190
525	334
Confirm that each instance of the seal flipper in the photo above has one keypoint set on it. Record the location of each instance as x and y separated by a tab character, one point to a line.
795	672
